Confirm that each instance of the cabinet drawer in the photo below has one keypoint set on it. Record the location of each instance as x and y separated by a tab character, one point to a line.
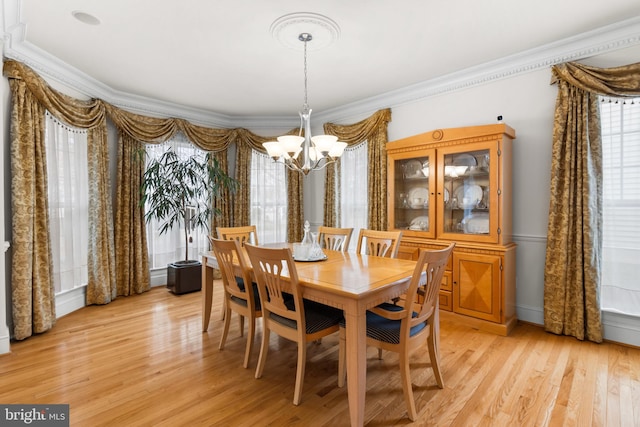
445	301
447	281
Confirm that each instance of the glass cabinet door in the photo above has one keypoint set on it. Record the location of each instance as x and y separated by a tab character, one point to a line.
412	194
467	183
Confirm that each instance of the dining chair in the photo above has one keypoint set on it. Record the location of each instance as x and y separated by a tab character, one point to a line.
335	239
403	328
285	311
244	234
379	243
238	297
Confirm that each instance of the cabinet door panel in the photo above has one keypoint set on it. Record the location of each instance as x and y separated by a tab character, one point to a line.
476	285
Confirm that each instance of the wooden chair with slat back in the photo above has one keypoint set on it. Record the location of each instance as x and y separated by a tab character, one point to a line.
379	243
336	239
284	311
240	293
402	329
244	234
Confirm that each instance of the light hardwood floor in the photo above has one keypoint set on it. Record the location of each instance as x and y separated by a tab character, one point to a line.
144	361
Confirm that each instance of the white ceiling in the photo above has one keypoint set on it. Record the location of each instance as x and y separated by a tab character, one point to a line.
219	55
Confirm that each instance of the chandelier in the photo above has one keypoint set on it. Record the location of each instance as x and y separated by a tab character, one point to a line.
304	153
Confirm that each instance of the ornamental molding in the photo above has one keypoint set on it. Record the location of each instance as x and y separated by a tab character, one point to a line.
612	37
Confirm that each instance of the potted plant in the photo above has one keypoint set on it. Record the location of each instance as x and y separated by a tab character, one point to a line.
178	190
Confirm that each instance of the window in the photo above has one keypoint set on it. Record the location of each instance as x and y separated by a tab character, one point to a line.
268	198
170	247
68	195
620	123
352	195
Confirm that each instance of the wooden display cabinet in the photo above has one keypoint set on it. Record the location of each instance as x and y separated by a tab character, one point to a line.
455	185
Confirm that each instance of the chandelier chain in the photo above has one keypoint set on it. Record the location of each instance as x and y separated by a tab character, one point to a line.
306	104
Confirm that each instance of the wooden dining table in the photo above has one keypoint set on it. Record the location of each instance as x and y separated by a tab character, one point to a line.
348	281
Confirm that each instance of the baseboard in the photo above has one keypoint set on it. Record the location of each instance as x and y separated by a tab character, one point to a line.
158	277
4	344
70	301
617	328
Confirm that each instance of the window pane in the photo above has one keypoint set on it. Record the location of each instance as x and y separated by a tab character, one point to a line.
171	246
68	195
268	198
352	196
620	290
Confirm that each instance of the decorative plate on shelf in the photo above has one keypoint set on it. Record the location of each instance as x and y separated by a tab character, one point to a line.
413	169
465	160
419	223
476	223
419	198
468	196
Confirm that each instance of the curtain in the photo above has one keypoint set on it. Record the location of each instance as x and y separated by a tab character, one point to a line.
30	227
374	131
574	235
130	232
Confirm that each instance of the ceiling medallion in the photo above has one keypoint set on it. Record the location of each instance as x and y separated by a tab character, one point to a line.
287	28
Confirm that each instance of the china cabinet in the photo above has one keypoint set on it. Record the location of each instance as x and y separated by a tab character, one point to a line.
455	185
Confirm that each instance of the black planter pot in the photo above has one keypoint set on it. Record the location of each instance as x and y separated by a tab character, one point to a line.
184	276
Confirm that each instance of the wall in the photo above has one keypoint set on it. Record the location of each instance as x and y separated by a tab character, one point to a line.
527	103
4	174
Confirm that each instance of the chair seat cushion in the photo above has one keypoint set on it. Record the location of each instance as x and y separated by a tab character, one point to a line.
256	295
382	329
317	316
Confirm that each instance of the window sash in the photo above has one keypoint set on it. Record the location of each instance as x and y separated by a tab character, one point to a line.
68	194
169	247
352	193
620	128
268	198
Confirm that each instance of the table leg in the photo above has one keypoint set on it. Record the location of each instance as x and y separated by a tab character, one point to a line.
207	293
356	324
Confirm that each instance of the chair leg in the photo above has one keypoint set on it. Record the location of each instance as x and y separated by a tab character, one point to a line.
342	358
241	326
434	356
379	354
406	385
302	361
225	330
250	337
264	348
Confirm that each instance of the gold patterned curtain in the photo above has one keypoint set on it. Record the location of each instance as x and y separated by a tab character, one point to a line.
374	131
574	236
33	298
132	255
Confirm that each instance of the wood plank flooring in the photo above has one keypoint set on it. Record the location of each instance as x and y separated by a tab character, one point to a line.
144	361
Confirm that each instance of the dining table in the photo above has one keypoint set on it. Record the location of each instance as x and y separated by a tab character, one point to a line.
349	281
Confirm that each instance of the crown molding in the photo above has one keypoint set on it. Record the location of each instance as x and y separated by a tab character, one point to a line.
602	40
606	39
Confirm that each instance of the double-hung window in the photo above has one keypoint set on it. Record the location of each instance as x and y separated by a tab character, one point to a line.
68	194
620	124
268	198
169	247
352	193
